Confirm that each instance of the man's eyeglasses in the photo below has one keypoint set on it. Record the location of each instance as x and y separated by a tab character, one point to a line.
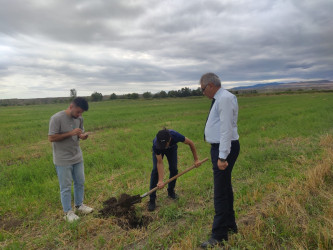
203	89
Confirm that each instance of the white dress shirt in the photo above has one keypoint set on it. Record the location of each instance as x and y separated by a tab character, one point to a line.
221	126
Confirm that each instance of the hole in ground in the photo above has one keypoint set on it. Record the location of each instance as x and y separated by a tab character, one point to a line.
125	212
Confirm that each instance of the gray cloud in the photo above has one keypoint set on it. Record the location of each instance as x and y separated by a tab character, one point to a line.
127	46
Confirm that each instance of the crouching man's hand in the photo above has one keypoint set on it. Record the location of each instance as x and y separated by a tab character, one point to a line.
197	163
160	184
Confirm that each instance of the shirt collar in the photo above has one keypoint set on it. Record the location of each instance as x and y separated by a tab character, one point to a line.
218	93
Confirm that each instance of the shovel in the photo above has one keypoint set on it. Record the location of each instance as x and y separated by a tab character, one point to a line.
137	198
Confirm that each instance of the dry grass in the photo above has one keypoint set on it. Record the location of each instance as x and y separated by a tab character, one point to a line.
298	216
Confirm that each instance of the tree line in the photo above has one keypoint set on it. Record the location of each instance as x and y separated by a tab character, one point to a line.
183	92
96	97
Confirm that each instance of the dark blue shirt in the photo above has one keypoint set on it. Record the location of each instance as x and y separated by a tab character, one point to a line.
175	138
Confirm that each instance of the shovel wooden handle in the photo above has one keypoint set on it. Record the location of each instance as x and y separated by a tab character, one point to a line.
173	178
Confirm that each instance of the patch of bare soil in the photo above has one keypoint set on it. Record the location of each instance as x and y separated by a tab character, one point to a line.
124	211
9	224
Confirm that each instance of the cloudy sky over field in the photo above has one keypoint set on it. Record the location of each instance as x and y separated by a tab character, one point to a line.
48	47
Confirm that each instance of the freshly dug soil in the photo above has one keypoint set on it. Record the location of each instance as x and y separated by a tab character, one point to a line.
124	211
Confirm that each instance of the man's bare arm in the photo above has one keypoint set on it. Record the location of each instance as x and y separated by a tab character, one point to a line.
60	137
194	151
160	170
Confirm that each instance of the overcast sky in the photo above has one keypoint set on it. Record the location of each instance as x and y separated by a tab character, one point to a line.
48	47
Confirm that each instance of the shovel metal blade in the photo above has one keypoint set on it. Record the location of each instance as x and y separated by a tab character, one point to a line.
135	199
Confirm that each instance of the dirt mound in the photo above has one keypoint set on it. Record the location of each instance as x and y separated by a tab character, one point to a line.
124	211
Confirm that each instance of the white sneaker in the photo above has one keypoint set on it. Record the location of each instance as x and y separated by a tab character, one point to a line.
84	209
70	216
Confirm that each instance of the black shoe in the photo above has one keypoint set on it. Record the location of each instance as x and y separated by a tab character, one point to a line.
233	229
151	206
173	196
211	243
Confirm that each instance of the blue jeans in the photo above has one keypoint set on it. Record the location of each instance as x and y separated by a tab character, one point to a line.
67	174
171	154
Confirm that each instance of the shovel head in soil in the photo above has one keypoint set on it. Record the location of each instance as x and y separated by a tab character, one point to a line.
129	201
137	198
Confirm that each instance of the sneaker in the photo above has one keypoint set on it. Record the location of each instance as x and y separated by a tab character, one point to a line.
173	196
84	209
211	243
70	216
151	206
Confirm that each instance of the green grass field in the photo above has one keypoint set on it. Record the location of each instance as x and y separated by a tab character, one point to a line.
283	178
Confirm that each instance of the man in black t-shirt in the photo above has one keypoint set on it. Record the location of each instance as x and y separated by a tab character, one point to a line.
165	143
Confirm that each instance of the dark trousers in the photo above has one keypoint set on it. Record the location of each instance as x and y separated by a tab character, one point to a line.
223	195
171	154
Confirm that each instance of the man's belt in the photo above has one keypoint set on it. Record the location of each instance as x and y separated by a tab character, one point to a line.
218	144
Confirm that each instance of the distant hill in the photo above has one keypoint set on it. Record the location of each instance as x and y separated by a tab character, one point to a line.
259	85
277	86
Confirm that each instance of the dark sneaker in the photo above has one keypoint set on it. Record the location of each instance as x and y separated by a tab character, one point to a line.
151	206
211	243
173	196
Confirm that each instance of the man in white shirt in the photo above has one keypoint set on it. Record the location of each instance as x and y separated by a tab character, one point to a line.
221	133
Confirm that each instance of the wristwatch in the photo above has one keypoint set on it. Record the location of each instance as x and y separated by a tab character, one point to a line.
221	159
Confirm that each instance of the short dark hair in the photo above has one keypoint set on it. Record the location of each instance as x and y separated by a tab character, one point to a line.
81	102
162	138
